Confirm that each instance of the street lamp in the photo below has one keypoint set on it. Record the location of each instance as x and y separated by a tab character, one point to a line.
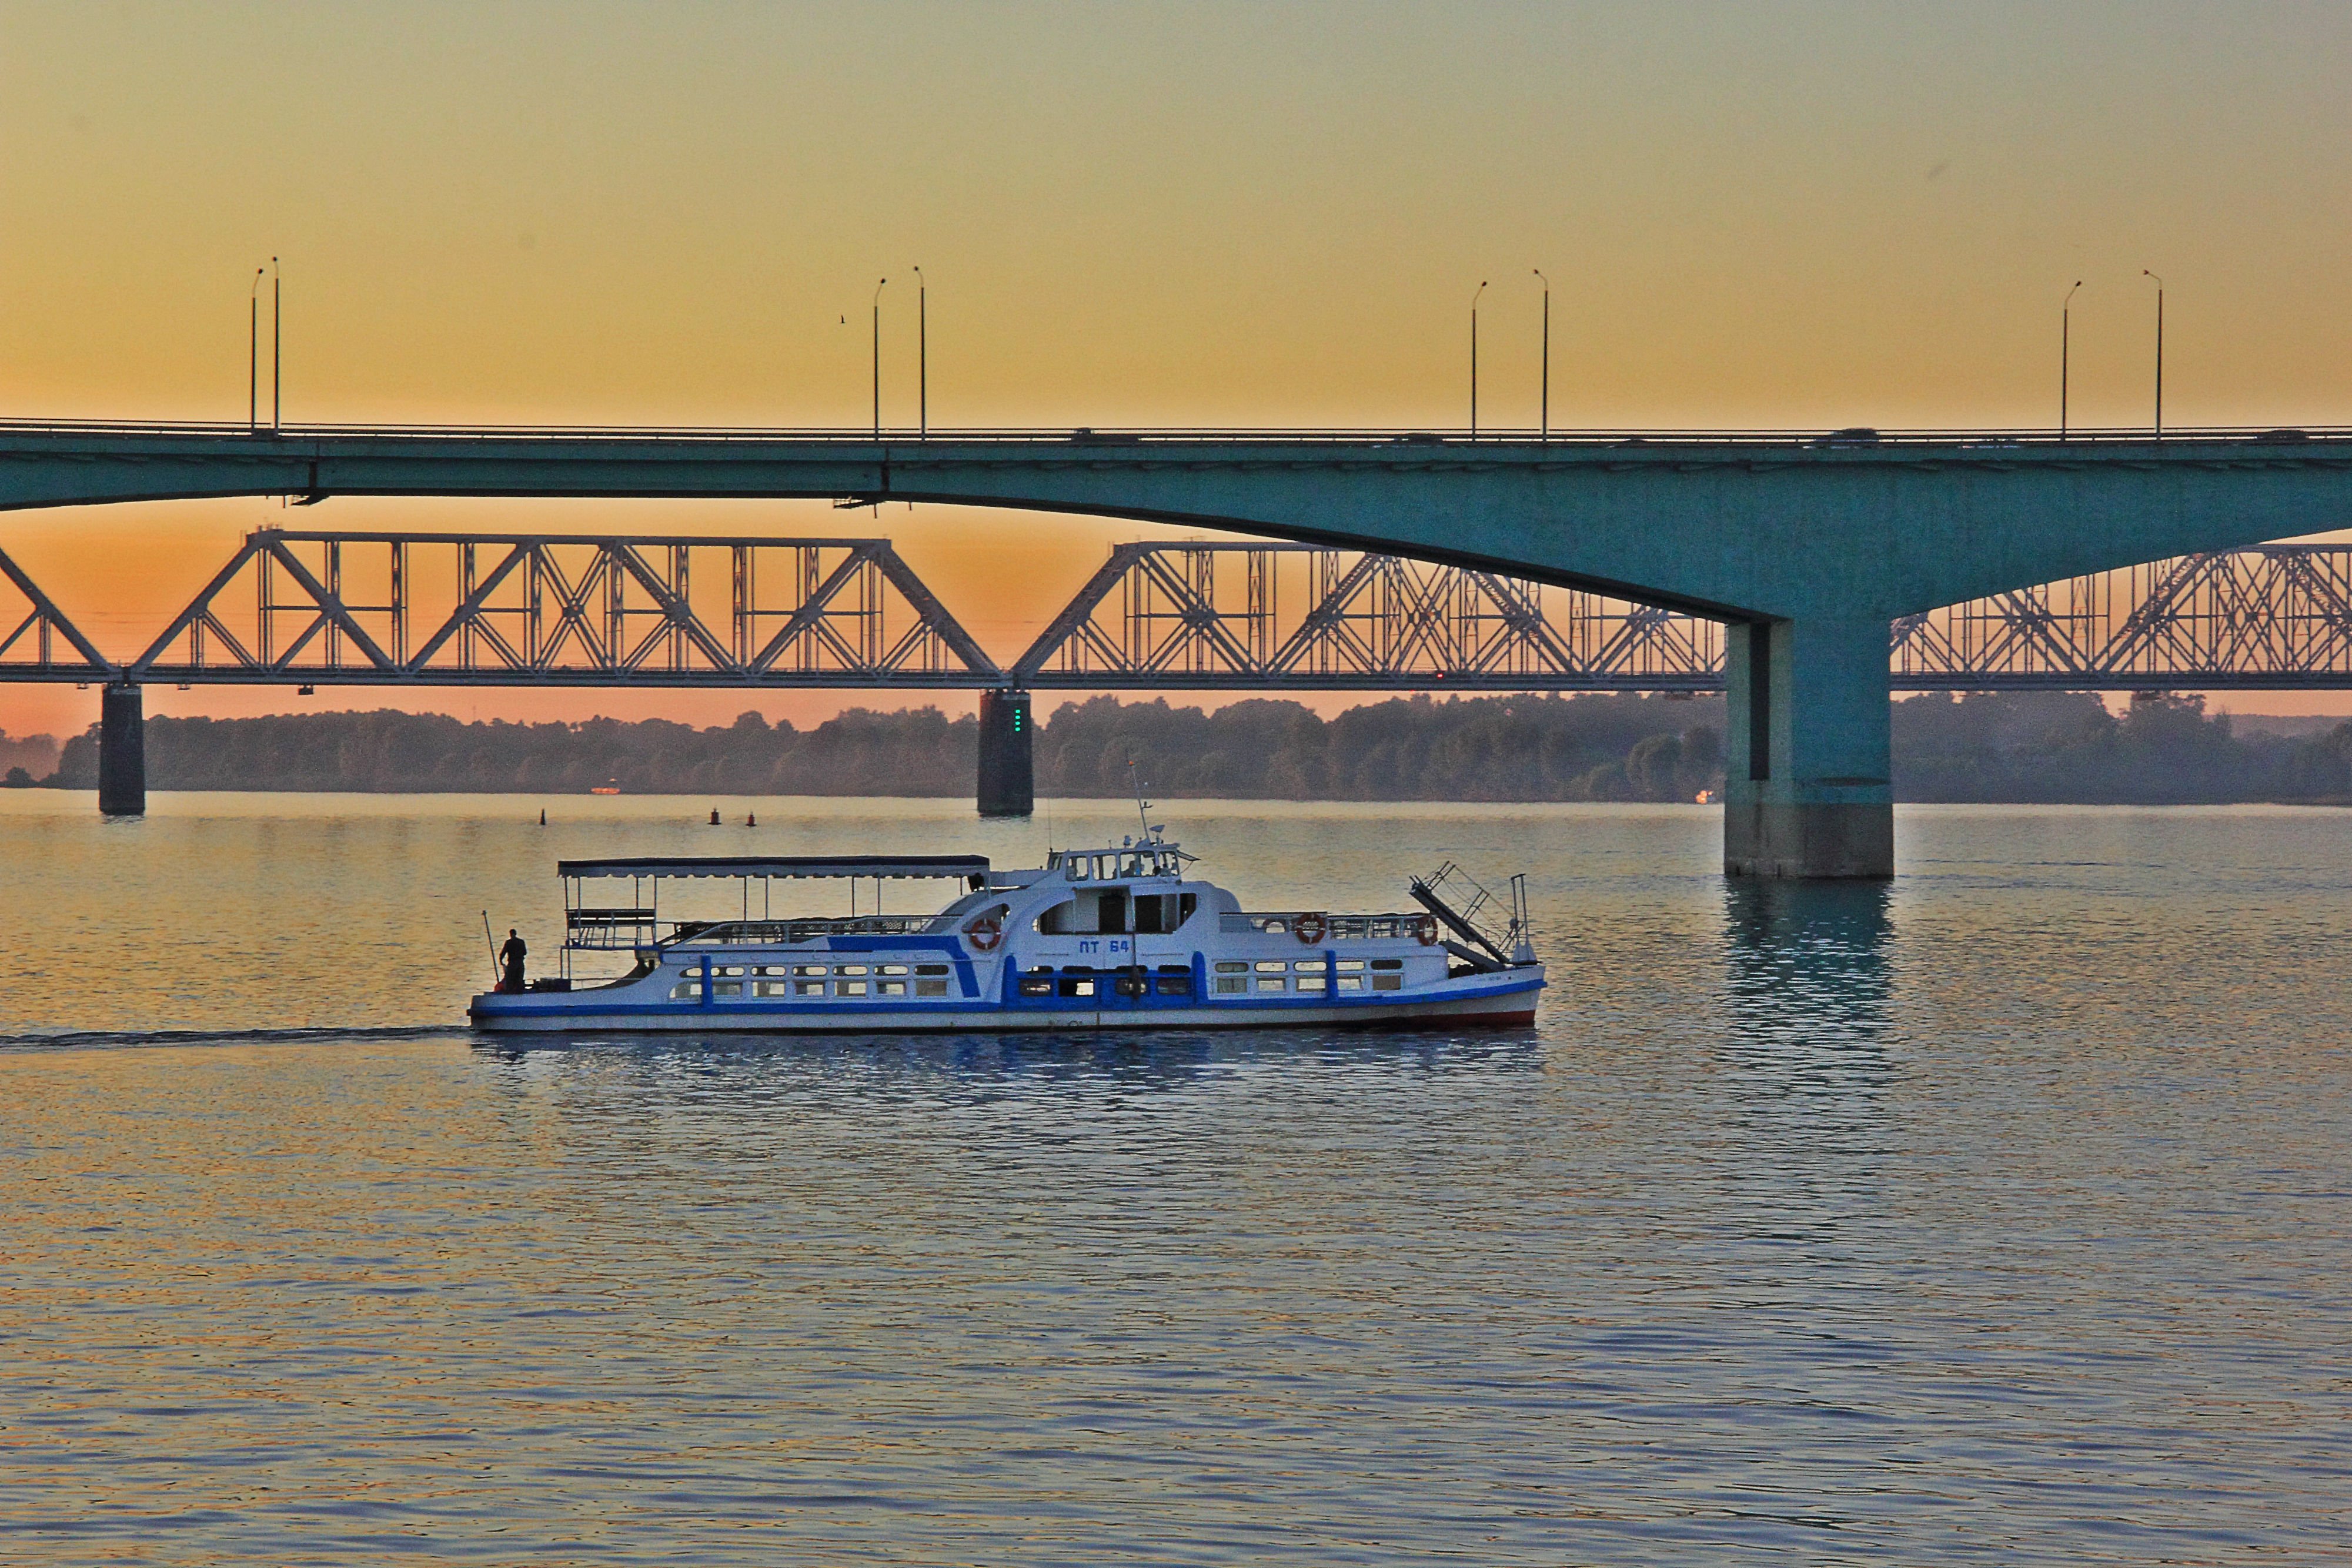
877	358
253	353
1543	426
922	355
276	344
2065	343
2159	351
1474	362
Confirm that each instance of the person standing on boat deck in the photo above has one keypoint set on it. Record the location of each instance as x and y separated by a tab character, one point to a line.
512	956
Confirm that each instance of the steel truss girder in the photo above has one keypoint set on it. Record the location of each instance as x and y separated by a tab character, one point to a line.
2273	616
597	610
38	632
1154	617
574	610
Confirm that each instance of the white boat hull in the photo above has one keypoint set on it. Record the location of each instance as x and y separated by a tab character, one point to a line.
1498	1002
1099	939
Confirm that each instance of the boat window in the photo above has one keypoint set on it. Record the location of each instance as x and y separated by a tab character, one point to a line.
1227	984
731	969
1311	982
1352	982
1173	985
931	988
1226	968
850	969
930	968
1347	963
849	988
1036	985
1274	966
889	987
808	968
685	991
1072	985
1269	983
727	988
771	987
808	987
1388	982
1110	911
1388	963
891	969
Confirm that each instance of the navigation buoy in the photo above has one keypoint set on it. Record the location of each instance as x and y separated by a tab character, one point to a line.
714	816
750	819
543	816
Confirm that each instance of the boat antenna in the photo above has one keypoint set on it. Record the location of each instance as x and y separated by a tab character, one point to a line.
1142	806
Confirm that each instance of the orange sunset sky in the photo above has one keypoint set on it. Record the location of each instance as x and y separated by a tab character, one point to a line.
1758	214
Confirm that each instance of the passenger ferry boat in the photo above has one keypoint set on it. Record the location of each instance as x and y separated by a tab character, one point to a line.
1121	937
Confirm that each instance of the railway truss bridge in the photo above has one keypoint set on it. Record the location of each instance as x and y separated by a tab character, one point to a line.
436	610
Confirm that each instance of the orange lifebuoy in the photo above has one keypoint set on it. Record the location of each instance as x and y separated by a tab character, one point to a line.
1309	928
984	931
1426	929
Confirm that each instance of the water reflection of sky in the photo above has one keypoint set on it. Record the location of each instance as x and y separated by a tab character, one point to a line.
1994	1215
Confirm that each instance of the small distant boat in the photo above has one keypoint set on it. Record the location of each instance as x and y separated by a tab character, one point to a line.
609	787
1708	797
1117	937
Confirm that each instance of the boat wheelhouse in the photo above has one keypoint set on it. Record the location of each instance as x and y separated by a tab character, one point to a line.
1119	936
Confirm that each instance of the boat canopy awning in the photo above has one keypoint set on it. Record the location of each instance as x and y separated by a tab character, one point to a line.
897	866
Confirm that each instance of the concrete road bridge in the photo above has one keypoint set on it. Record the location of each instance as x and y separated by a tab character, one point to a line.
1806	546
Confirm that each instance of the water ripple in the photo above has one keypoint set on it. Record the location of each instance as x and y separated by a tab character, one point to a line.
1997	1216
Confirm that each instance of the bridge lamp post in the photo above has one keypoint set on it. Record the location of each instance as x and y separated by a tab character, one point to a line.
276	344
1474	362
923	356
253	353
2159	351
2065	345
1543	425
877	358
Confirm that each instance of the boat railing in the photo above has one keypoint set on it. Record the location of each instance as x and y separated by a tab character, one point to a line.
626	930
1339	927
770	933
617	930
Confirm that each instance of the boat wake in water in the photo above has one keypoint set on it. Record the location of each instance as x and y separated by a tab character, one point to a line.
83	1040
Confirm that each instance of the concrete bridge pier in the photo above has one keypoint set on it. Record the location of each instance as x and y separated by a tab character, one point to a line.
1807	756
122	751
1008	784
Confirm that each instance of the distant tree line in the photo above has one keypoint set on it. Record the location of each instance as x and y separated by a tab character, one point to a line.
26	757
2024	747
2067	747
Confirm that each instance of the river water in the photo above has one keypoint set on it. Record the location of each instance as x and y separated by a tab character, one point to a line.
1999	1215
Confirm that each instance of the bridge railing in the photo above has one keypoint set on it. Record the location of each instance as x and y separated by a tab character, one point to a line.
276	438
